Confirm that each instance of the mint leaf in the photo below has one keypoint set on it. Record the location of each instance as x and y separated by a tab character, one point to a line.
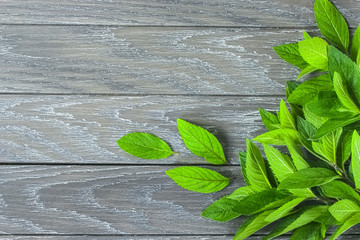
255	167
344	148
314	51
242	192
286	120
355	45
271	122
331	23
242	158
144	145
306	71
262	201
280	164
312	118
198	179
355	219
355	158
344	209
252	224
331	125
310	231
290	53
297	220
327	145
348	70
221	210
309	89
284	210
201	142
277	137
328	105
296	154
306	35
343	94
337	189
307	178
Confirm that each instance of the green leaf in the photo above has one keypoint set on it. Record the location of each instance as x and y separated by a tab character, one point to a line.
251	225
306	35
348	70
310	231
355	45
314	51
355	158
331	23
306	71
255	167
242	158
221	210
242	192
277	137
290	53
284	210
337	189
261	201
346	225
327	145
296	154
305	129
286	120
309	89
331	125
307	178
144	145
344	209
312	118
344	149
297	220
198	179
201	142
271	122
343	94
280	164
327	105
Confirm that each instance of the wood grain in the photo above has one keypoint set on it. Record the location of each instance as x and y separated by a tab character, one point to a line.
128	60
107	200
84	129
243	13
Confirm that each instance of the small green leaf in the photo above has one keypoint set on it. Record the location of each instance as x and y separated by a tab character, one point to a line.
283	210
309	89
312	118
242	158
307	178
198	179
297	220
290	53
355	158
310	231
327	105
355	45
221	210
306	35
277	137
314	51
251	225
355	219
261	201
331	125
201	142
296	154
337	189
242	192
255	167
286	120
344	149
327	145
144	145
306	71
280	164
331	23
343	93
344	209
271	122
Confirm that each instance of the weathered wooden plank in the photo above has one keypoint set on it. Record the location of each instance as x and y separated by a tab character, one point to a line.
128	60
121	200
84	129
104	200
261	13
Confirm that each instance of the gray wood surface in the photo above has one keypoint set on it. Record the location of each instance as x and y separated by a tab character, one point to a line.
133	60
84	129
243	13
77	75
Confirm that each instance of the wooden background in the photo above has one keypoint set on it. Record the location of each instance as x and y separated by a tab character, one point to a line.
76	75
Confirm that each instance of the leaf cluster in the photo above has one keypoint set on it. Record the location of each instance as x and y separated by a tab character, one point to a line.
313	185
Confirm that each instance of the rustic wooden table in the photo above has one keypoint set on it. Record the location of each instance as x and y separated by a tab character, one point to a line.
77	75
